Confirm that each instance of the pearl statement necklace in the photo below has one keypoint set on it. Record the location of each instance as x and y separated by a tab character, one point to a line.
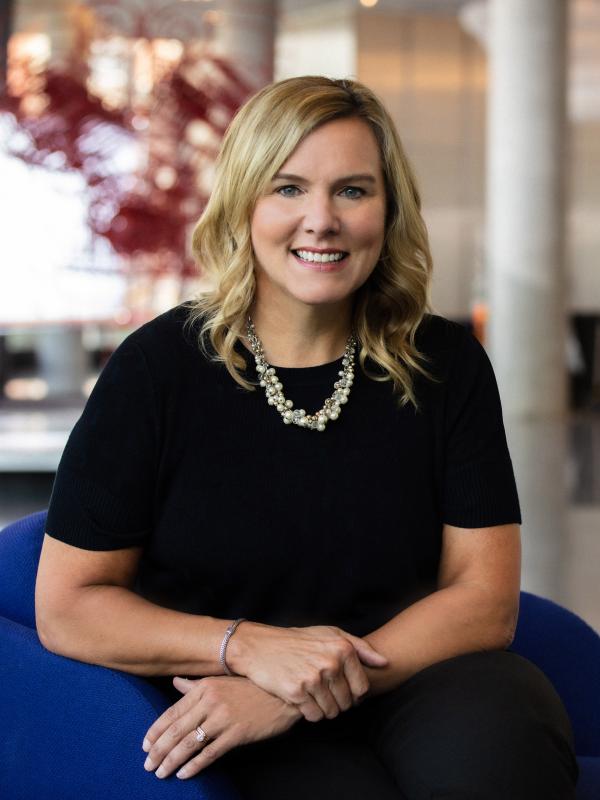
274	388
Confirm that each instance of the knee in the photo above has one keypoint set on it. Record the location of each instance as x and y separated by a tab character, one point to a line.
499	685
491	719
503	688
499	700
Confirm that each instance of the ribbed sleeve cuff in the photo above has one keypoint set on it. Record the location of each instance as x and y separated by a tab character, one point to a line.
481	495
86	515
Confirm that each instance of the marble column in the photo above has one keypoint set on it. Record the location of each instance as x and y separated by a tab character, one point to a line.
525	259
526	204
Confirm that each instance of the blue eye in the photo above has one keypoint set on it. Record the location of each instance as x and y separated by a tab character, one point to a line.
355	189
281	189
291	191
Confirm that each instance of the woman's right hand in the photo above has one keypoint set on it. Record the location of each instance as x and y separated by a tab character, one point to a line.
317	668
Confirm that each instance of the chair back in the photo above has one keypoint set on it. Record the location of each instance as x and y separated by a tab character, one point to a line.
567	650
20	546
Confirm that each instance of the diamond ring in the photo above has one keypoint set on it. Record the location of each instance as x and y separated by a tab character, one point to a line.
200	734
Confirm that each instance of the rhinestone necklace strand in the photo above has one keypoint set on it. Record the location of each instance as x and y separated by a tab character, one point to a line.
332	406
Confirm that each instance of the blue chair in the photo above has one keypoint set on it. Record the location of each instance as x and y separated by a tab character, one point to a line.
72	730
567	650
53	747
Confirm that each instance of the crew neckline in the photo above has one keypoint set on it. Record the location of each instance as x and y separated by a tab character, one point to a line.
296	376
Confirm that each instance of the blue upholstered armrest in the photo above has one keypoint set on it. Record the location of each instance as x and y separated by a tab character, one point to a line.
588	785
567	650
72	730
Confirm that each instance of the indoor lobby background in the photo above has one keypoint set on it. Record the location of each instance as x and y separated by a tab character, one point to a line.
111	115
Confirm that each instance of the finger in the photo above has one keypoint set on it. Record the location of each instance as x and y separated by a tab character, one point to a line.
356	677
210	753
310	710
340	689
171	737
366	652
164	722
183	685
167	718
325	700
187	748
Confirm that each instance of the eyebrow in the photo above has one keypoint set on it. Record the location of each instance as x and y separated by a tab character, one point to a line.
363	176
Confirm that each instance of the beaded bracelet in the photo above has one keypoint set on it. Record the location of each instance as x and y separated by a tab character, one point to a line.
228	634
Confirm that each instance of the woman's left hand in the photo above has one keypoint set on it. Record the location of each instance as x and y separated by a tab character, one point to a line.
230	709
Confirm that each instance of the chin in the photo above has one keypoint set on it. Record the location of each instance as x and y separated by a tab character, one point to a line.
319	292
321	298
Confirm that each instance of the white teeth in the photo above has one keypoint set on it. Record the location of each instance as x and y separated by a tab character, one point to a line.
307	255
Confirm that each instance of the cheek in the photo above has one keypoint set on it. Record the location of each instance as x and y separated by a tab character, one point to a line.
371	227
268	224
259	226
372	235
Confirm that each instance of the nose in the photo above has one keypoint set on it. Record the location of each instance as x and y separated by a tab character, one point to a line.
321	216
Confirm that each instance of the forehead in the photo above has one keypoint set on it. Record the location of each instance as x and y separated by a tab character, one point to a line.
343	145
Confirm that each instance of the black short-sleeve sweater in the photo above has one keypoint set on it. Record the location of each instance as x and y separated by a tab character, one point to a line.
240	515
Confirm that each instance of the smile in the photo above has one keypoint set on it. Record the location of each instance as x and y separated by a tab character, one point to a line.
330	262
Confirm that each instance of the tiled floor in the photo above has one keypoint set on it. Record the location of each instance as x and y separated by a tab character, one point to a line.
561	535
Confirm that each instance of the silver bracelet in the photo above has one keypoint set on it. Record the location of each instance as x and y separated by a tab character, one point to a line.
228	634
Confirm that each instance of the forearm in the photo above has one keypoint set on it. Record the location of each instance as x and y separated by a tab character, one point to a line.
114	627
461	618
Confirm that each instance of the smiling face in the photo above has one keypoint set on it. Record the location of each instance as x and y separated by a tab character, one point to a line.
329	195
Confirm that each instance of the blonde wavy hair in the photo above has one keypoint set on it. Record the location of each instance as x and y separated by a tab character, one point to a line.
389	306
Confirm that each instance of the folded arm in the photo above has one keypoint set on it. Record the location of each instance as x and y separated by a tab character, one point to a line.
475	607
86	609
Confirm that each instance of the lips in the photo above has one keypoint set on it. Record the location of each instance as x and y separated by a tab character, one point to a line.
325	266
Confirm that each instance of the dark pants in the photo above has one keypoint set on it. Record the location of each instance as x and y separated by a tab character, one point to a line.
479	726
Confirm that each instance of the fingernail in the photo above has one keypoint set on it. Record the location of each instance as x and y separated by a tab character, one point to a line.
146	745
182	773
161	772
148	764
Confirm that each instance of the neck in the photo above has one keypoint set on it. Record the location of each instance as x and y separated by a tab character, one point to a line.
317	336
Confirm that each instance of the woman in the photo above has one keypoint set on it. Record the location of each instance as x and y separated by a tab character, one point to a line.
296	491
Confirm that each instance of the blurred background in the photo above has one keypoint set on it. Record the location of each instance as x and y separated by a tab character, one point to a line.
111	115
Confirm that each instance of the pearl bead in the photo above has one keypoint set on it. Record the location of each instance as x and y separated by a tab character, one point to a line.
274	387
